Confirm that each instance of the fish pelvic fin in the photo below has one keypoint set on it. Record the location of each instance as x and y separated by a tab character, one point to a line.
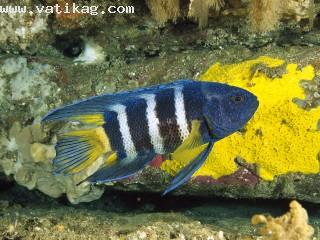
78	150
193	150
186	173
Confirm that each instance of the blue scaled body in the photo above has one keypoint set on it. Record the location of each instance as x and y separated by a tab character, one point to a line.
124	131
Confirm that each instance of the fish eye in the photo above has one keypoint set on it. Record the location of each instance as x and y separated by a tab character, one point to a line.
238	99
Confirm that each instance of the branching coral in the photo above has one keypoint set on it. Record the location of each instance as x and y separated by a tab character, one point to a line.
265	14
67	20
291	226
278	138
300	9
164	10
199	10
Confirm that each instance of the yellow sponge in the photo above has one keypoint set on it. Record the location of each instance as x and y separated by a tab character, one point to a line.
280	138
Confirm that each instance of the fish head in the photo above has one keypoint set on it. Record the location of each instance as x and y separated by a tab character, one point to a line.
228	108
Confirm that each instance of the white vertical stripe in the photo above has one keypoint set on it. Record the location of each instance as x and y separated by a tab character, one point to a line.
181	113
153	123
125	131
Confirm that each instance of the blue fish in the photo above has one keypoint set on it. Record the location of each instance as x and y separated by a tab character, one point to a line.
127	130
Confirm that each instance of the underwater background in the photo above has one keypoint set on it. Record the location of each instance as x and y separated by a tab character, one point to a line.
269	47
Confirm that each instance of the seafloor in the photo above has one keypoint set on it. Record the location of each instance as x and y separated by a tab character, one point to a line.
139	52
118	215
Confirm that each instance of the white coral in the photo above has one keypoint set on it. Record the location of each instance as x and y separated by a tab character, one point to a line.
92	53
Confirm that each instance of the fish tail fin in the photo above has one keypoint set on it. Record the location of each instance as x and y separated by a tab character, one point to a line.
79	150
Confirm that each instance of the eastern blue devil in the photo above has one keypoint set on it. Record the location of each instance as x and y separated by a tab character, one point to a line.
129	128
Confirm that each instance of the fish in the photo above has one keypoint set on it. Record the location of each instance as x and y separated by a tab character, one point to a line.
181	120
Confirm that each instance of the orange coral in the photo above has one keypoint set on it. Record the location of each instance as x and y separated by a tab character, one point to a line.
164	10
264	15
199	10
70	20
291	226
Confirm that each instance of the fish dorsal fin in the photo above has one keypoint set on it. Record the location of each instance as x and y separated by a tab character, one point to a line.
91	110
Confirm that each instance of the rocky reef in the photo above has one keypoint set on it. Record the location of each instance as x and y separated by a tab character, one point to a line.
48	60
269	47
240	165
263	15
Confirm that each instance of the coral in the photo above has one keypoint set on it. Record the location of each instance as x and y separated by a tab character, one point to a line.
278	138
41	152
25	150
264	15
164	10
300	9
92	53
30	164
67	20
199	10
21	30
291	226
27	82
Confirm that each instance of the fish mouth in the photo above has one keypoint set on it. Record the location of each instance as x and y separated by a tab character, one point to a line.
252	108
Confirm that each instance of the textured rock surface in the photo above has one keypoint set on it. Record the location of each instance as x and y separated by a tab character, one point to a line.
131	51
27	149
23	31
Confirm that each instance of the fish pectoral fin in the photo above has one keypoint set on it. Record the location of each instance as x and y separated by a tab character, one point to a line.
192	151
185	174
192	146
192	141
121	168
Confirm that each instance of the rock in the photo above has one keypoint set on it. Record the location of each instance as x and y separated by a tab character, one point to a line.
22	31
30	148
32	85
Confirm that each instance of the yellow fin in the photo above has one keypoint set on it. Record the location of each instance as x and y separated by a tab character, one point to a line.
194	138
192	146
77	150
111	159
97	119
189	154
